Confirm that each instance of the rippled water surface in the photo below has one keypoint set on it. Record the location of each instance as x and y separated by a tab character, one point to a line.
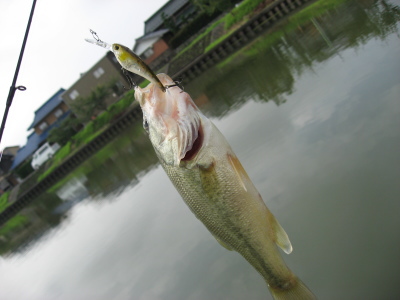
312	109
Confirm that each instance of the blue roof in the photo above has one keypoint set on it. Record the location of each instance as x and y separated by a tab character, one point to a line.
47	107
34	140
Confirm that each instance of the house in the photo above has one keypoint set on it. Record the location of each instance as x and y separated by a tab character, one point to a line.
160	28
7	157
151	46
178	10
49	113
105	71
7	180
46	118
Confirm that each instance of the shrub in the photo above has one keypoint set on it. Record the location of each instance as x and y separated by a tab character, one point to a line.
24	169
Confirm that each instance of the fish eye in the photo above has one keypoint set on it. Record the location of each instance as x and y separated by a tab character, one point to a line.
116	47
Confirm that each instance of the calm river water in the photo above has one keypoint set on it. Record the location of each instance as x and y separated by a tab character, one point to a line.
312	109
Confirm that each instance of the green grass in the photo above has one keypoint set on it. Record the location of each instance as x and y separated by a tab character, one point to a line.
199	37
93	129
293	22
4	201
241	12
90	132
15	222
235	16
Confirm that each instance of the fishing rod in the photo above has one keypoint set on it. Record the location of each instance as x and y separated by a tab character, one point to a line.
13	88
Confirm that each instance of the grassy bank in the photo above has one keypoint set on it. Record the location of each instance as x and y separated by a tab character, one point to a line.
4	201
17	221
91	131
293	22
239	14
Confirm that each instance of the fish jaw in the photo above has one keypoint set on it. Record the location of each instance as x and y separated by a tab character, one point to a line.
173	120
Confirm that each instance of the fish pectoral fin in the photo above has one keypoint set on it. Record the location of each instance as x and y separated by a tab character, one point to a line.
241	174
281	237
223	244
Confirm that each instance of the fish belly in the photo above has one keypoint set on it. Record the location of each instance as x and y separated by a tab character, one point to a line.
224	199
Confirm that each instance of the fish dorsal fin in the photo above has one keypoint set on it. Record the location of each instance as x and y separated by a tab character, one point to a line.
223	244
281	237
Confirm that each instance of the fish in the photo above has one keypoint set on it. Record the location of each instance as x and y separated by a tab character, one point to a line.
211	180
133	63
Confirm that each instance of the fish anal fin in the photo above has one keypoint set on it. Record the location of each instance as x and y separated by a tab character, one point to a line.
281	237
223	244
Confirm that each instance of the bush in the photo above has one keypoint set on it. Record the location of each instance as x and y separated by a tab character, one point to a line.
237	14
63	133
192	28
24	169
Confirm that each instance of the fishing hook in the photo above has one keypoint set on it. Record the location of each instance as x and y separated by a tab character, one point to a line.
178	83
95	36
132	84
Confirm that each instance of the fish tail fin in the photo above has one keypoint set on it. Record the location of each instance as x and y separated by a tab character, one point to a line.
299	291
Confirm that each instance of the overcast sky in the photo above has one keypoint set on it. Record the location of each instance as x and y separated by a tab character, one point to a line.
56	52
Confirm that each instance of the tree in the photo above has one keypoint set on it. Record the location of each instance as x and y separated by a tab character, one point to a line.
89	106
63	133
212	6
169	23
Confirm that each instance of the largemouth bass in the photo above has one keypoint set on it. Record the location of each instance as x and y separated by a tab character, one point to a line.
213	183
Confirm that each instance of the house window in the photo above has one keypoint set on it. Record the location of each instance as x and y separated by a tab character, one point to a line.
98	72
74	94
43	126
149	52
58	113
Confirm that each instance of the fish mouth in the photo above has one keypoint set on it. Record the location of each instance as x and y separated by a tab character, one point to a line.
175	128
196	146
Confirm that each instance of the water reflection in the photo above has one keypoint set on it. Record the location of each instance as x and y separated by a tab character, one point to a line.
322	152
266	70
